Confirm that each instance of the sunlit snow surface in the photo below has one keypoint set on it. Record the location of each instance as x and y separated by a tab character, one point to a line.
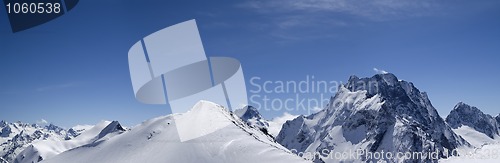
485	149
49	148
156	140
487	154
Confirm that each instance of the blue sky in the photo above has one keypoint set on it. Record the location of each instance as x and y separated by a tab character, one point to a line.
74	69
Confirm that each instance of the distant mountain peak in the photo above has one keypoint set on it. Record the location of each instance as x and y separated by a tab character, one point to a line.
52	127
3	123
462	104
465	114
248	112
353	78
252	117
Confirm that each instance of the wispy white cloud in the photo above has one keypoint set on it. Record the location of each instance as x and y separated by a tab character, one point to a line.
379	71
371	9
316	109
277	122
283	118
305	20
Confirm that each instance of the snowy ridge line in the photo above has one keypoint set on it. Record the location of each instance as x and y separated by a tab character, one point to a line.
234	143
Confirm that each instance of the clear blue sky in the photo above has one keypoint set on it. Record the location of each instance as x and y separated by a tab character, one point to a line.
74	69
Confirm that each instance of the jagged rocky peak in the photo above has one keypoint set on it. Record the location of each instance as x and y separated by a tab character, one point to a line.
379	113
248	112
5	131
464	114
252	117
52	127
389	88
498	119
355	83
385	84
113	127
3	123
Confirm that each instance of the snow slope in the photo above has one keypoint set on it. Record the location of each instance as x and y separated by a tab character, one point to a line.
157	140
474	137
479	129
49	148
466	115
487	154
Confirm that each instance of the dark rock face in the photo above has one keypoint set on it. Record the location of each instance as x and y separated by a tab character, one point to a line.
52	127
463	114
497	118
112	127
380	113
5	132
250	112
251	116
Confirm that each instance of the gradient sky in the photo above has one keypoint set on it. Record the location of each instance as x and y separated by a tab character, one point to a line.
74	69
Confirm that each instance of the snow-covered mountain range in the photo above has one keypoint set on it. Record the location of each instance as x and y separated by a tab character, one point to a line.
473	125
479	129
245	136
466	115
156	140
46	149
15	137
376	114
373	115
23	142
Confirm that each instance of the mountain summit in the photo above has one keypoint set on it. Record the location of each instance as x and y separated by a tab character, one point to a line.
466	115
252	117
376	114
157	140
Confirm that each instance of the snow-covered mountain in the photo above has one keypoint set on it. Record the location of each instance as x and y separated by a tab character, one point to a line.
46	149
252	117
157	140
466	115
276	123
15	137
377	114
497	118
479	130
